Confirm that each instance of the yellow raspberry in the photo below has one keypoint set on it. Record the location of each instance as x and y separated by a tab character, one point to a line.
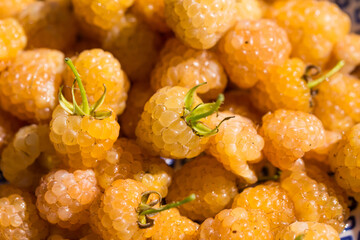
308	231
183	66
270	198
9	8
29	87
289	135
200	23
94	77
9	125
236	224
249	48
64	198
213	186
236	144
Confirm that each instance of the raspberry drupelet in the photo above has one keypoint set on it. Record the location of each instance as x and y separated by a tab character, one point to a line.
9	8
270	198
29	156
249	48
236	224
308	231
289	135
64	198
183	66
94	77
200	23
84	133
236	144
170	125
9	125
19	218
213	186
249	9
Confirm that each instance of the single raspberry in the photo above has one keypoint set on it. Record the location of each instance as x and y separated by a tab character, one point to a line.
337	103
200	24
320	205
135	45
236	144
313	27
289	135
29	156
101	13
64	198
170	225
213	186
9	125
343	160
236	224
270	198
19	218
84	133
139	94
250	48
249	9
183	66
308	231
153	13
29	87
94	78
46	24
10	8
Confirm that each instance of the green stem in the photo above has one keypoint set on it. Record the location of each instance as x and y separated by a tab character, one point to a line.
330	73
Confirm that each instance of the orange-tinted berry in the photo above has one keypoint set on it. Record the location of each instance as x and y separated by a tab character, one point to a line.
170	225
135	45
249	9
313	27
200	24
183	66
9	125
98	68
289	135
250	48
237	224
48	25
270	198
29	87
213	186
236	144
9	8
337	103
308	231
85	140
64	198
284	88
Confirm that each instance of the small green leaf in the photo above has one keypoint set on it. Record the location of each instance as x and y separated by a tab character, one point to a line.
204	110
99	102
100	115
189	98
67	106
79	111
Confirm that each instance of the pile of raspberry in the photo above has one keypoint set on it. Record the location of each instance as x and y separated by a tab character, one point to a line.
177	119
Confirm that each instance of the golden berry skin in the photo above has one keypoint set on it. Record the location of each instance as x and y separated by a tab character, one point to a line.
115	216
249	48
343	160
85	140
289	135
249	9
320	205
64	198
153	13
236	144
310	231
162	131
213	186
46	24
101	13
29	87
19	219
170	225
200	23
183	66
29	156
313	27
9	125
135	45
96	68
270	198
138	95
284	88
237	224
337	103
9	8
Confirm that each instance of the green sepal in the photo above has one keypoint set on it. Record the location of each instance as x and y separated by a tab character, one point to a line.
189	98
100	115
78	111
300	237
99	102
201	129
67	106
204	110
